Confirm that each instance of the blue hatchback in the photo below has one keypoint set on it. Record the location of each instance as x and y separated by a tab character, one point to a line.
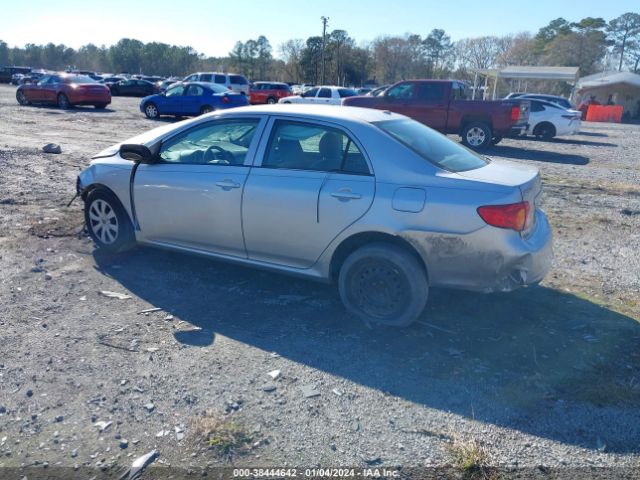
190	99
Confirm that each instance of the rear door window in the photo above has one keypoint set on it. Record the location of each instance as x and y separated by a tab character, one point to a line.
219	79
206	77
238	80
307	146
324	93
431	92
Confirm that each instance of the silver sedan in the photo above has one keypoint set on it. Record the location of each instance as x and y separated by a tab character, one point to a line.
374	201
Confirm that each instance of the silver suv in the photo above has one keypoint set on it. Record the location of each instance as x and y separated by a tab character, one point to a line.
233	81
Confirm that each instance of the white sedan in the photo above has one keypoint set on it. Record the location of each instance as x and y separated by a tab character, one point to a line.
548	120
323	95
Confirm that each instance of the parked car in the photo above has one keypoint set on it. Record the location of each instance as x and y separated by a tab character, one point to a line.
64	90
163	85
563	102
233	81
374	201
324	95
133	88
6	73
268	92
443	105
363	91
110	80
191	98
548	120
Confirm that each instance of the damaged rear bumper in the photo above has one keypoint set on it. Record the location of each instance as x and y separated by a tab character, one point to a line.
487	260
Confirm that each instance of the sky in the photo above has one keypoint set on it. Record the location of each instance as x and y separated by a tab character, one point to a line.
212	27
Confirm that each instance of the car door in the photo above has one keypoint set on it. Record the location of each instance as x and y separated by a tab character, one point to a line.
309	96
49	90
192	100
34	92
172	101
324	97
192	197
431	104
310	182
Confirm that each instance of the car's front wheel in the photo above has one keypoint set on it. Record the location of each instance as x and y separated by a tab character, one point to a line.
545	131
206	109
271	100
151	111
384	283
22	98
107	221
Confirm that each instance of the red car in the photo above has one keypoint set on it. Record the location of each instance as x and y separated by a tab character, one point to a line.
65	90
268	92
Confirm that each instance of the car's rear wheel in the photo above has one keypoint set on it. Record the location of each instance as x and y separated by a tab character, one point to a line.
151	110
476	135
107	221
545	131
271	100
206	109
22	98
383	283
63	101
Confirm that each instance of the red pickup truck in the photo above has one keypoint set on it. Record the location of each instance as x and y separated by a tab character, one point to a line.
444	105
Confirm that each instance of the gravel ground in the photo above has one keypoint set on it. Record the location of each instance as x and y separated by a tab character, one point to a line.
540	377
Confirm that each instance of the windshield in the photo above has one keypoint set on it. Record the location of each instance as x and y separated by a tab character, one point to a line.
432	146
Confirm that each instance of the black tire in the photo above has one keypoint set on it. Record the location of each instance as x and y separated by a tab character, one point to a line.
63	101
496	139
271	100
287	101
544	131
206	109
107	221
151	110
22	98
100	106
476	135
383	283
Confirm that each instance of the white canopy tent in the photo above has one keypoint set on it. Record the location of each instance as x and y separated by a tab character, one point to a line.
565	74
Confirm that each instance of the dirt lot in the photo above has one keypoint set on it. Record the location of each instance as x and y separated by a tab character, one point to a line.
545	376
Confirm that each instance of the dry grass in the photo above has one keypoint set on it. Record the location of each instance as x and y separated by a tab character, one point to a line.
472	459
220	434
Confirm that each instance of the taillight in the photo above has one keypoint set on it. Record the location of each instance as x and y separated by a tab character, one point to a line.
515	113
513	216
225	99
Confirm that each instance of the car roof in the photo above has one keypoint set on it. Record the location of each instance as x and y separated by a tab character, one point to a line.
318	112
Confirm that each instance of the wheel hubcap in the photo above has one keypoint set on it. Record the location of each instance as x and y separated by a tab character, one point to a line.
380	289
152	111
476	136
103	221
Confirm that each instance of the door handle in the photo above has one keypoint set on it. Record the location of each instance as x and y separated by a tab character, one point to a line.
227	184
346	195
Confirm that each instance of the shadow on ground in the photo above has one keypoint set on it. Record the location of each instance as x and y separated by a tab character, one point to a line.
538	360
517	153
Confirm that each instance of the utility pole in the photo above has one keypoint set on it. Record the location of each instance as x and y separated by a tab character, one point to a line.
324	36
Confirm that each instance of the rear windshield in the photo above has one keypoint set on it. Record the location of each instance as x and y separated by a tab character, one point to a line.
432	146
78	79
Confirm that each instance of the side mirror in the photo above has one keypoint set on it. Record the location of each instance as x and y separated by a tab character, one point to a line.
137	153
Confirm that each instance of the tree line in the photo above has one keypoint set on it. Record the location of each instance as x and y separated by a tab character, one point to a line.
590	43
